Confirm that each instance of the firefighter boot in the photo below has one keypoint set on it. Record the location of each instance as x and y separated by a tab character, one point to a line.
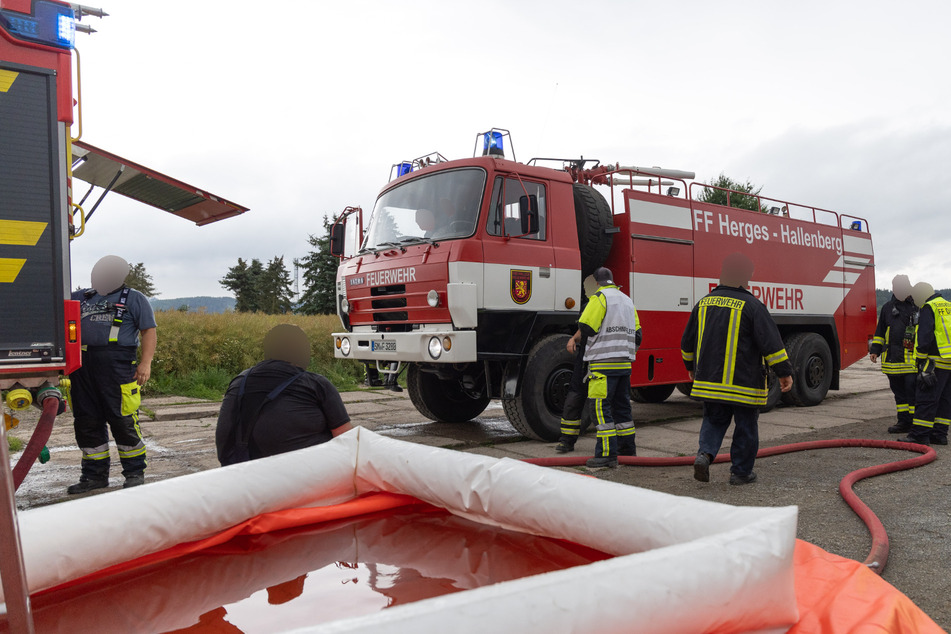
701	467
85	485
570	430
901	427
626	445
920	434
606	448
939	433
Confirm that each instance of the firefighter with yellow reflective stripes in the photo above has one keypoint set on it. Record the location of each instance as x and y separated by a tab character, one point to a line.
614	333
894	342
933	360
727	339
105	390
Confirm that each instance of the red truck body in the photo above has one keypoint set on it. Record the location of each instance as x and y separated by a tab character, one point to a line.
480	306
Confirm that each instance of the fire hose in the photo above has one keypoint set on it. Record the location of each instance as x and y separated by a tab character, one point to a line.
44	427
878	555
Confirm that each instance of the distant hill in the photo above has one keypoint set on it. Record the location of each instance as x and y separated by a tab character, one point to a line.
195	304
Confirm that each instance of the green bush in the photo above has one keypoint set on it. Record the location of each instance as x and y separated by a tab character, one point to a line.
199	353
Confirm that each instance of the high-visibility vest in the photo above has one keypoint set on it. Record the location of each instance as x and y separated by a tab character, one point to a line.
612	316
942	325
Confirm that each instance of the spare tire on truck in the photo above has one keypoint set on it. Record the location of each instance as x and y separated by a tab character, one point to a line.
593	216
536	411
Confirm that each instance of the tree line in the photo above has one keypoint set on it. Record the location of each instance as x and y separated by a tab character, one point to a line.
268	288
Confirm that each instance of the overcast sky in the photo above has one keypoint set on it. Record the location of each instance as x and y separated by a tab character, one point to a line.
297	109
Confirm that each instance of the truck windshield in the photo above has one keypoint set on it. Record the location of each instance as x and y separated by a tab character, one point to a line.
442	206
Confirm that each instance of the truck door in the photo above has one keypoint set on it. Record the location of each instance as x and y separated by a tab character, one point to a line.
520	273
33	262
662	283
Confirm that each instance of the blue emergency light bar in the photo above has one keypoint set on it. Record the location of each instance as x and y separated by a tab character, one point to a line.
492	144
52	24
402	169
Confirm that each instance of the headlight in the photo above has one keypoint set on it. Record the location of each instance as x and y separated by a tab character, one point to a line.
345	346
435	347
344	306
432	298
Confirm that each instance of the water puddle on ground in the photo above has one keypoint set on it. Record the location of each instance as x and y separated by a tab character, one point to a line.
301	577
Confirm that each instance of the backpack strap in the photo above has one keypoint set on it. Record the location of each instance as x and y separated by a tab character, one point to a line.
243	436
120	313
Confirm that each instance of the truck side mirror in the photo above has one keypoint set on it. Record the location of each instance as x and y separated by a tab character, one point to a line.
528	212
336	239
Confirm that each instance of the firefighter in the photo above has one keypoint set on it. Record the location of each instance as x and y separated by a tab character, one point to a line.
894	342
728	336
105	390
933	362
614	333
573	421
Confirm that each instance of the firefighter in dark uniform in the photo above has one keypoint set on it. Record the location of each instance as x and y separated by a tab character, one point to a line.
573	420
728	337
933	360
105	390
614	333
894	342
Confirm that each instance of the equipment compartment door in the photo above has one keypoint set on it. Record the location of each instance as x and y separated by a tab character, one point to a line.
32	249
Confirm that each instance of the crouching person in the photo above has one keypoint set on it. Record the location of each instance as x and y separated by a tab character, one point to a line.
278	406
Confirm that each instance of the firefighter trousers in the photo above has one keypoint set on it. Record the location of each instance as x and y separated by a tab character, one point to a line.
104	392
716	421
903	387
611	407
933	407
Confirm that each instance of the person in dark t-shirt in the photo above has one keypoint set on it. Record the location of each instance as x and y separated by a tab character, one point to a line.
277	406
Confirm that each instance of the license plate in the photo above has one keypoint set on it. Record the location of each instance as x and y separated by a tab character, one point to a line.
385	346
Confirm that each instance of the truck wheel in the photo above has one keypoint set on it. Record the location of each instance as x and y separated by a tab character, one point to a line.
652	393
536	411
773	393
443	401
812	369
685	388
592	215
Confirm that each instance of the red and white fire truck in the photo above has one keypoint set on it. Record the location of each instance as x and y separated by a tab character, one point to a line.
470	273
39	156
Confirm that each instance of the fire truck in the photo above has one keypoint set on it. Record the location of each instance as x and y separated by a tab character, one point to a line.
469	274
39	158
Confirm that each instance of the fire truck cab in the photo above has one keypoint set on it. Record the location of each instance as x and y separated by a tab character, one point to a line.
470	273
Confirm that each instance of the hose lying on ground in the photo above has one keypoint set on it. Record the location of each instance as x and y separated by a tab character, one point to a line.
878	555
41	434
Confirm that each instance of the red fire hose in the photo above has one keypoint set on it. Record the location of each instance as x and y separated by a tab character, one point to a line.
878	555
51	408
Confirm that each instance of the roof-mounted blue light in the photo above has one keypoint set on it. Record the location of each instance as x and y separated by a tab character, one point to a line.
492	144
52	24
402	169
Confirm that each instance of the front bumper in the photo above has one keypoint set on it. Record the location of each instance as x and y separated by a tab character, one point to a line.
455	346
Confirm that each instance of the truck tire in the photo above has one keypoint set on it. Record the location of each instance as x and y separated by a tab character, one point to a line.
592	215
812	369
685	388
536	411
443	401
652	393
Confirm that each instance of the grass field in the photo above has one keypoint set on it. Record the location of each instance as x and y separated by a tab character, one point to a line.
199	353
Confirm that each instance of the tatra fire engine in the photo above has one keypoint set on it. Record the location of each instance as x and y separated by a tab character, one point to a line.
470	273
